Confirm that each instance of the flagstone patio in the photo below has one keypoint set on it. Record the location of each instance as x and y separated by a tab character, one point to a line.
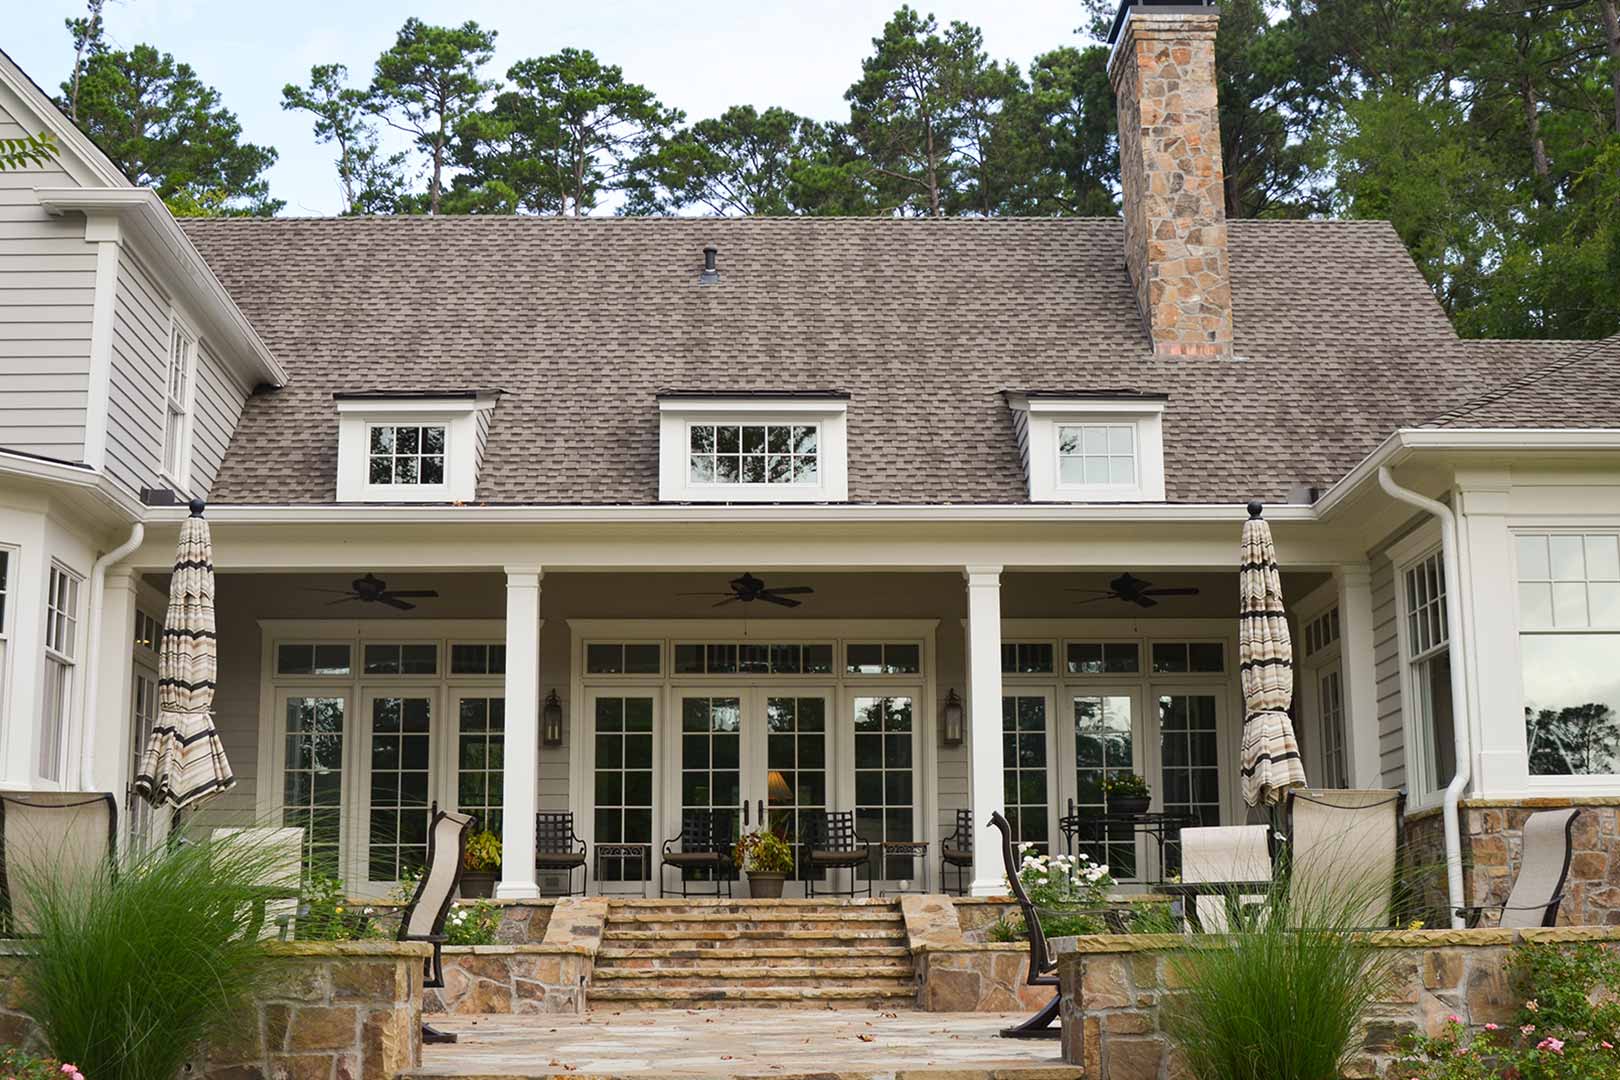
782	1044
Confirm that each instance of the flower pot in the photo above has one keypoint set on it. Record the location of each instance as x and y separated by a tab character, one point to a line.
1125	804
478	884
765	886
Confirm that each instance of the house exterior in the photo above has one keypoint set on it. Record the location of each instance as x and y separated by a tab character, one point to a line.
953	435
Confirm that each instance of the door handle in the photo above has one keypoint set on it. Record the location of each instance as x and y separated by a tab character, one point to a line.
745	813
762	813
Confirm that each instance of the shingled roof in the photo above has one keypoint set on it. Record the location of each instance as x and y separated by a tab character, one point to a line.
1581	389
923	323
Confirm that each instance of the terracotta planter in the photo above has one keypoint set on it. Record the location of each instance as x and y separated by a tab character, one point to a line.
478	884
765	886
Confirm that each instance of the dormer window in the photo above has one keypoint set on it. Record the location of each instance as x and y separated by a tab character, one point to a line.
1106	447
789	447
411	447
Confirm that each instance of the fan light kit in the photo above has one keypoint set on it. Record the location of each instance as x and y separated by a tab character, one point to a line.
749	588
372	589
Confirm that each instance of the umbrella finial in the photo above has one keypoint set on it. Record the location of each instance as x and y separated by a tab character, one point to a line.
198	506
1255	506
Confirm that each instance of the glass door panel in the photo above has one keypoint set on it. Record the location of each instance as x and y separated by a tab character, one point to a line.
710	754
622	778
885	791
481	758
1024	757
313	727
796	766
143	713
1330	726
1189	763
399	763
1105	745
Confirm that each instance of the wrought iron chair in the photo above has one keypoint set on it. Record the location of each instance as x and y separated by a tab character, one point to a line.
1549	844
1042	961
423	918
956	851
62	833
556	847
705	843
832	844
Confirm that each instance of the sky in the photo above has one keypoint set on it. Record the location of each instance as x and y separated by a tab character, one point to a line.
700	56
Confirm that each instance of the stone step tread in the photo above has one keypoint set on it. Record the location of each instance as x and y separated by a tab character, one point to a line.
745	994
838	902
615	934
890	917
900	970
955	1072
805	952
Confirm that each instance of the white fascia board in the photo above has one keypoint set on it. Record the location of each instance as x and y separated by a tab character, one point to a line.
139	213
82	158
87	485
1085	405
820	406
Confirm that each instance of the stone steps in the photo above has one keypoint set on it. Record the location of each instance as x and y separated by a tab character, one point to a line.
754	997
707	954
679	934
757	975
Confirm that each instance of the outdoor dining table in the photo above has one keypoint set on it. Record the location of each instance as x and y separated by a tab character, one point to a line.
1099	828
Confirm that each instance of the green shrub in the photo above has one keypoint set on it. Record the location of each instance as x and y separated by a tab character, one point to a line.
483	852
325	913
476	923
763	852
132	971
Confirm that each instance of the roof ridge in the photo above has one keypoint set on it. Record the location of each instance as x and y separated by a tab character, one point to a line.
1521	382
785	219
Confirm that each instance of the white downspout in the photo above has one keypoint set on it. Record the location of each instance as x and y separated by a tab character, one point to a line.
1459	682
98	598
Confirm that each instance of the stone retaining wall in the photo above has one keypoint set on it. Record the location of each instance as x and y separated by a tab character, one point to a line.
1113	989
329	1011
549	977
523	922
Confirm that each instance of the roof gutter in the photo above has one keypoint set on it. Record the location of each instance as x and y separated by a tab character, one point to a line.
1460	727
73	475
92	684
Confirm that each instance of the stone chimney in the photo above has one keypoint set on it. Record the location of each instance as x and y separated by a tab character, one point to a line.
1163	72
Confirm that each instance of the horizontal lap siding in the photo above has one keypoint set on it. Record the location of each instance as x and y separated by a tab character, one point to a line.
218	407
1387	671
47	292
139	374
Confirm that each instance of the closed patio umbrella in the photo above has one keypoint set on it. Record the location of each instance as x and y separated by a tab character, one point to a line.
184	761
1270	759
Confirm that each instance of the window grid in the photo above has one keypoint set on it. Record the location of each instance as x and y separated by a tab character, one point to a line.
796	760
1322	631
1335	762
404	658
405	454
882	658
1569	581
477	658
62	613
61	645
883	777
400	780
481	759
753	658
305	658
148	632
182	365
1188	658
1097	455
1426	606
1189	754
312	785
1104	743
761	454
624	780
143	713
711	746
623	658
1026	657
1023	747
1104	658
5	585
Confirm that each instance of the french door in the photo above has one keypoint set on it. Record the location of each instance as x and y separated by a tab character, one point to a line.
398	737
1102	738
621	755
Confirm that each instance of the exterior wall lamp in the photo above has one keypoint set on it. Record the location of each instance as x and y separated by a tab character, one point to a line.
950	719
551	720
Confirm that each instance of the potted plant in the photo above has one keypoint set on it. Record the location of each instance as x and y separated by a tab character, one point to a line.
767	860
1127	793
481	865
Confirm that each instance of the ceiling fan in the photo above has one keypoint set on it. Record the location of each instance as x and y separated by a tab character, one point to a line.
1134	590
372	589
749	588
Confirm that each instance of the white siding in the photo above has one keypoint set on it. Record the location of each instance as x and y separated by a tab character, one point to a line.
47	290
139	369
218	407
1387	671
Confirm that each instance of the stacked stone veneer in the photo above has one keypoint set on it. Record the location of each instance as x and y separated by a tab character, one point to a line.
1163	74
1113	990
550	976
1493	849
328	1011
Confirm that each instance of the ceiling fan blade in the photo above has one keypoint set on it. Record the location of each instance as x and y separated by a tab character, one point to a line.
393	603
792	589
1183	591
341	592
727	600
772	598
1100	592
1143	600
341	600
1095	599
413	592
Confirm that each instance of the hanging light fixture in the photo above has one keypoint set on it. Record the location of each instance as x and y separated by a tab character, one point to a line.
551	720
950	719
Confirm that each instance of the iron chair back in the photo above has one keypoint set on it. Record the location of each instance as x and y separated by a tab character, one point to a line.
1548	846
834	844
1042	962
705	840
558	847
956	851
423	918
64	834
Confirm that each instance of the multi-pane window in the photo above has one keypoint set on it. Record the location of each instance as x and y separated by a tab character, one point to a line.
143	713
1104	748
893	658
1026	658
401	754
5	610
405	454
61	645
477	659
148	632
1104	658
796	760
618	658
1023	749
303	659
753	454
1428	658
481	759
402	659
883	777
624	780
1569	645
1322	631
1184	657
753	658
177	408
1330	710
1096	455
1189	755
711	745
312	791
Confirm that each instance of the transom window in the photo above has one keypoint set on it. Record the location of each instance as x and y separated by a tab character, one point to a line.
619	658
1569	646
1097	455
1322	631
1026	657
754	454
402	659
886	658
306	659
405	454
753	658
1104	658
182	367
148	632
473	658
1189	657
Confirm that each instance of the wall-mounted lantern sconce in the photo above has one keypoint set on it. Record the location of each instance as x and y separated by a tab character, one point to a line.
950	719
551	721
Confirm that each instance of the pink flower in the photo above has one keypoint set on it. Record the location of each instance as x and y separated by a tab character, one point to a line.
1606	1045
1491	1027
1550	1043
1528	1029
1453	1019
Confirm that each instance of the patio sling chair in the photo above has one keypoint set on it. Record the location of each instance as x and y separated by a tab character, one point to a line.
62	834
557	848
956	852
833	845
1341	852
423	918
705	843
1217	855
1548	844
282	852
1042	961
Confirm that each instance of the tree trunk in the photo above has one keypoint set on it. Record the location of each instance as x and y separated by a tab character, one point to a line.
933	181
1611	23
1532	123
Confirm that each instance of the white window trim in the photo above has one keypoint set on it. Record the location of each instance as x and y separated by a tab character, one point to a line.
676	415
1414	550
1040	418
69	660
458	416
8	606
184	407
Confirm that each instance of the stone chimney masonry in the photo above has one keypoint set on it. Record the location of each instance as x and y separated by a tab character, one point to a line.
1163	72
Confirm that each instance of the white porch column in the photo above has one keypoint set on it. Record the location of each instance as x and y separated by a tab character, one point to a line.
521	783
985	770
1354	584
108	754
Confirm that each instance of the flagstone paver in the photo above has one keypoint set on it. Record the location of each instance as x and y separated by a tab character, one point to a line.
739	1043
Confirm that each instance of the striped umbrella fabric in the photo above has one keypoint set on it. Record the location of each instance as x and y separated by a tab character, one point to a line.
184	761
1270	757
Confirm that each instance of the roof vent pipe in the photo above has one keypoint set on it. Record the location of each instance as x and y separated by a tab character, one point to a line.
710	275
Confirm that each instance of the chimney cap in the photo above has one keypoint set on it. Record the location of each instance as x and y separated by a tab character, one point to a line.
1167	7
